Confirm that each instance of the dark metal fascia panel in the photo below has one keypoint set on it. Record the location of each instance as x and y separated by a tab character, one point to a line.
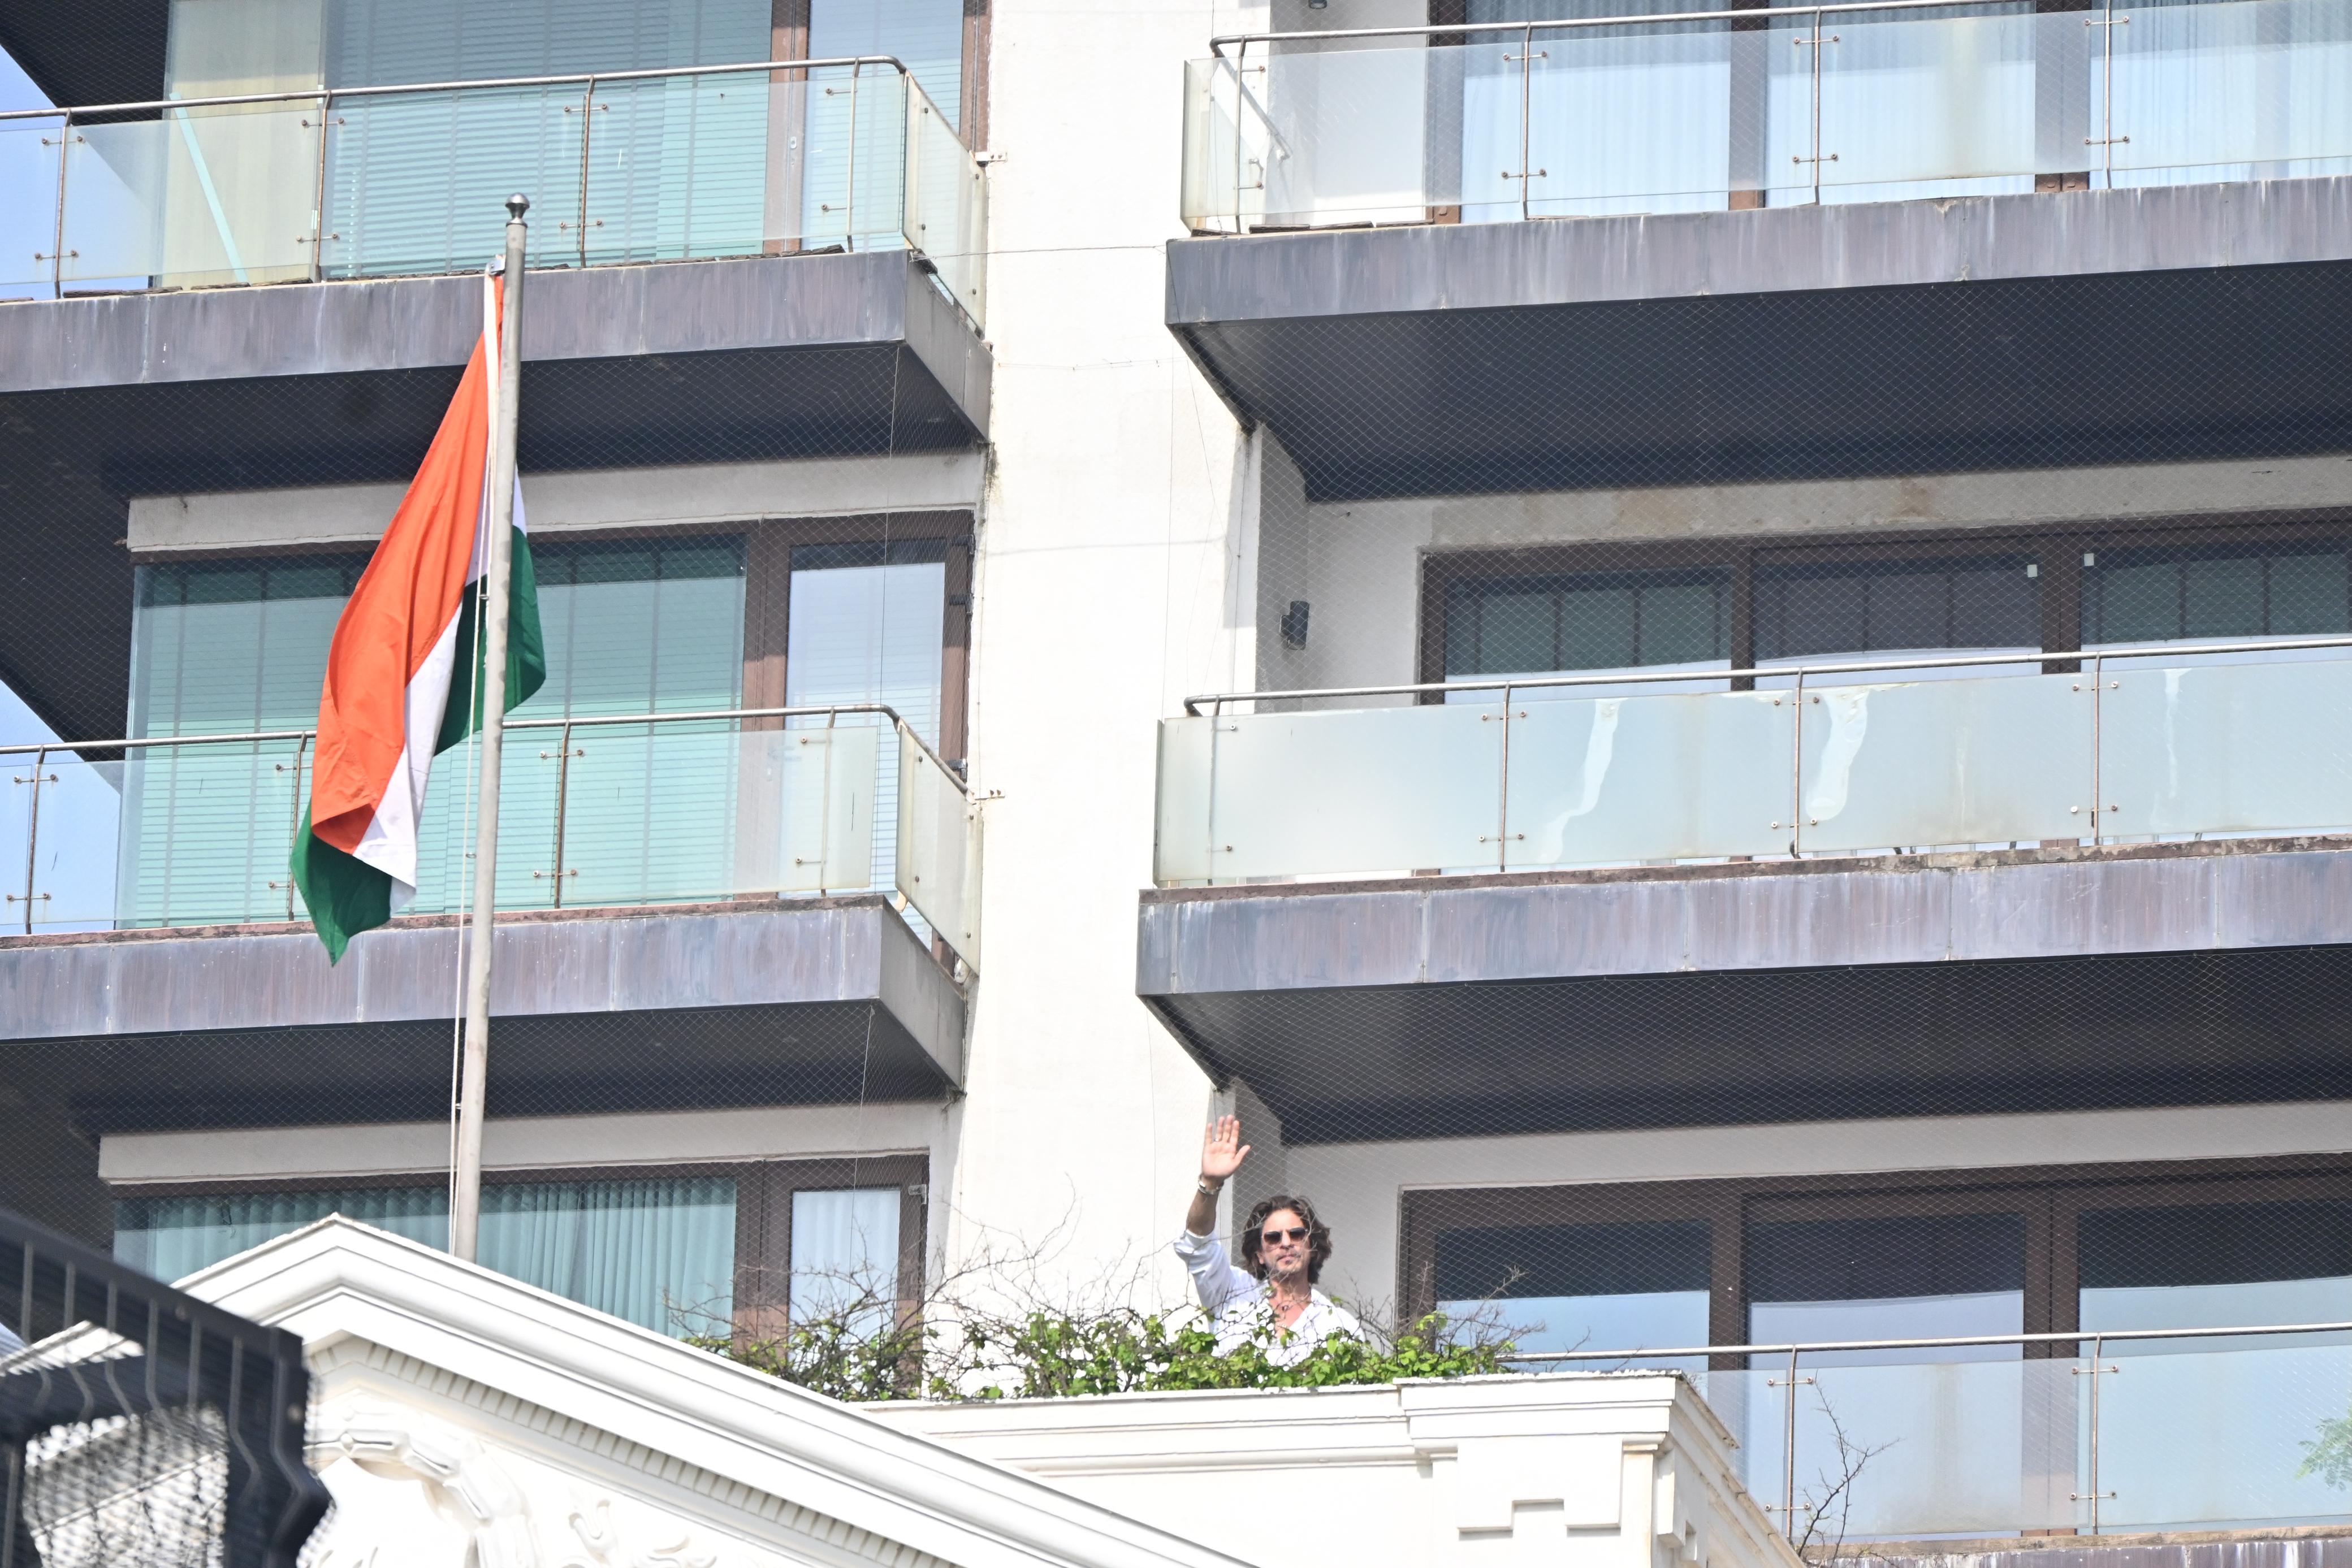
1327	939
1469	266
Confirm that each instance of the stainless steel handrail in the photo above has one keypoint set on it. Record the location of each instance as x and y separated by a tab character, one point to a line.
29	748
1769	671
576	78
1947	1341
1448	29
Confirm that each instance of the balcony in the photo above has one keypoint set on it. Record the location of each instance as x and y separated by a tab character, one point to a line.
788	157
1916	242
761	289
1521	906
756	890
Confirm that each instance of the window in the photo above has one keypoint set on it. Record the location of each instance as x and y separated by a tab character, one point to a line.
1898	1277
2216	1265
2215	595
1634	1284
220	647
683	1249
1560	624
1936	1255
679	623
1891	606
657	1251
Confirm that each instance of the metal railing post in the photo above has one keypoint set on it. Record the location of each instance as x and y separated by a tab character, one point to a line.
33	833
300	747
2098	783
1797	773
587	119
1526	66
319	193
2095	1372
1216	729
1789	1442
562	800
849	197
58	241
1241	57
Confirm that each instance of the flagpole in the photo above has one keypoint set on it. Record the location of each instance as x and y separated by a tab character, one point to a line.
465	1197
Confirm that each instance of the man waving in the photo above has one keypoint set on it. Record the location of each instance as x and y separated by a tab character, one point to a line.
1286	1247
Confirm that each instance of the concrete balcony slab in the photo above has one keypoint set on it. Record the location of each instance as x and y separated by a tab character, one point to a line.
802	1002
1902	985
1932	336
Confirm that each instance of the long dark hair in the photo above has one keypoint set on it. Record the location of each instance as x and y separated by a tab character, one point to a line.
1319	1235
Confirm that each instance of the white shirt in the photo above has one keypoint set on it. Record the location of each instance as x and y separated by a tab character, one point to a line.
1244	1307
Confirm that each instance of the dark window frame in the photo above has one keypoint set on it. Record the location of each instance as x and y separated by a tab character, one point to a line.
2057	548
2052	1199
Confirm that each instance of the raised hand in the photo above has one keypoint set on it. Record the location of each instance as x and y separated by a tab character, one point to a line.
1222	1151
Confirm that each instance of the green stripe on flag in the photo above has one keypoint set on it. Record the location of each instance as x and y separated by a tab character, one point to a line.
526	652
346	895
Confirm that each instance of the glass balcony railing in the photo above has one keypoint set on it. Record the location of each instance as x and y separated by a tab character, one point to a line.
781	158
2167	1429
593	812
1853	758
1836	103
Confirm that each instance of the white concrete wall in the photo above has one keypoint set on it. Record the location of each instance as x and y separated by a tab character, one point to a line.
1122	499
1582	1470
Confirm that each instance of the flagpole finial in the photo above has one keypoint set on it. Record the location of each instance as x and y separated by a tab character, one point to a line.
517	205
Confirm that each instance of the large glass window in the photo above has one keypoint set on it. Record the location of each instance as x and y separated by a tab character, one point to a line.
228	647
2140	595
1570	1287
1566	623
659	1252
1973	604
675	166
1903	1277
845	1254
868	625
2216	1266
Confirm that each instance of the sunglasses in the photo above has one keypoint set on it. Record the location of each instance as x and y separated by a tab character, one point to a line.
1273	1237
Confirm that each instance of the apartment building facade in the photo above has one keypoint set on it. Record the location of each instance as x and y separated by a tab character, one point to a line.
1718	646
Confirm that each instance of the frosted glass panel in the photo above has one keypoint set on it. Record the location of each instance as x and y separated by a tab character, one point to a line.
1945	1447
1910	101
2200	749
2203	1437
1380	789
1947	762
831	795
1632	121
28	171
200	197
2251	89
938	863
1645	778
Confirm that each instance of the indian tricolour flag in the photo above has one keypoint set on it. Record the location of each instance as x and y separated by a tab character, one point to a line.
402	682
